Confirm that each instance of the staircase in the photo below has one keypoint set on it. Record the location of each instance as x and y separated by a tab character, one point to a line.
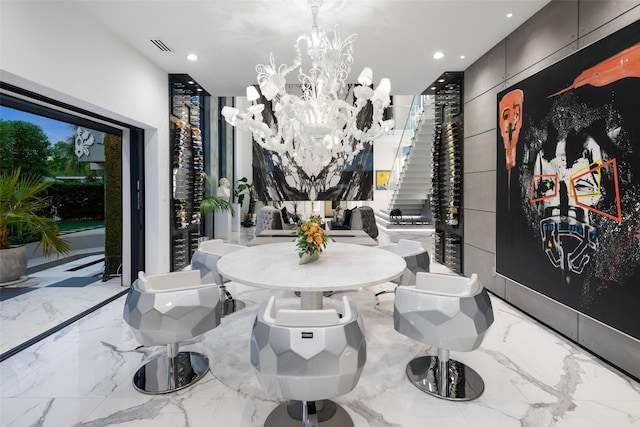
411	190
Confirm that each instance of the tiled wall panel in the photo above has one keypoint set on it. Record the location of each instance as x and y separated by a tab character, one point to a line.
622	350
483	263
539	66
594	14
553	314
480	229
480	152
480	191
480	113
551	29
605	29
486	73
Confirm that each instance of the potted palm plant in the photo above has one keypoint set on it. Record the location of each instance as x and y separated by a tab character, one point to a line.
214	203
218	204
21	205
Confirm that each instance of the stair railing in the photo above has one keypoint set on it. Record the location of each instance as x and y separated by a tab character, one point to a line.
412	124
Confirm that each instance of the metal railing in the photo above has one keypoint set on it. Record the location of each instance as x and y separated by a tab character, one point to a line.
412	124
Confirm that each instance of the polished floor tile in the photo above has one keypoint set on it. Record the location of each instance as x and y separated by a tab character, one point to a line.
82	375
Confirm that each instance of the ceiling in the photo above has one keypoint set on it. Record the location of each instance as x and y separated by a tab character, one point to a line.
397	38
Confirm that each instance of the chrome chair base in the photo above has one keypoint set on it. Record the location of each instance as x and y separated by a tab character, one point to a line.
462	382
166	374
324	413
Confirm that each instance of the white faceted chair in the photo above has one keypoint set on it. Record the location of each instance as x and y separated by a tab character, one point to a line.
205	260
166	309
308	356
451	313
414	254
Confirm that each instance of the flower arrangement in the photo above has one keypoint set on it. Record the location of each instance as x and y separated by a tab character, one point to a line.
311	237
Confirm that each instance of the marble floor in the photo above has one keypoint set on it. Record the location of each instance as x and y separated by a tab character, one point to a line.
81	376
51	297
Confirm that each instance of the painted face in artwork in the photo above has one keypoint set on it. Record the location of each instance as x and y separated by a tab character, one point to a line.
510	123
570	171
568	182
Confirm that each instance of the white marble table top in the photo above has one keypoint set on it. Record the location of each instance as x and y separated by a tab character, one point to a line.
341	266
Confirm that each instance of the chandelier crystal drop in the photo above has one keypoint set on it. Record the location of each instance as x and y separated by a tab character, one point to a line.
326	119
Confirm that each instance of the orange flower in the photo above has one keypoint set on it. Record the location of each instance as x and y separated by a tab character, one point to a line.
311	237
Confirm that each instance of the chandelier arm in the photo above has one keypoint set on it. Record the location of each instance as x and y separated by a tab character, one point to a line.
320	131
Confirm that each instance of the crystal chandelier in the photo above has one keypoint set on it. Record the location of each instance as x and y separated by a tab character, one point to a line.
327	119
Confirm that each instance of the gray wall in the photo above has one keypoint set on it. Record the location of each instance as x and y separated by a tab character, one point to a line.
558	30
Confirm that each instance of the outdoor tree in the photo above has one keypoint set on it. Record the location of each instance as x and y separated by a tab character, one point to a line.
63	160
24	145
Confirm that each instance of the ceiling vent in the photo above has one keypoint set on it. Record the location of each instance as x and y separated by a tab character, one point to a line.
160	44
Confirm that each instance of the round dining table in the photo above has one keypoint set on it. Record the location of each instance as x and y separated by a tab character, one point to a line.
341	266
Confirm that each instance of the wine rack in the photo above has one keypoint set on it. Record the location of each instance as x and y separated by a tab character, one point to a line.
446	175
187	165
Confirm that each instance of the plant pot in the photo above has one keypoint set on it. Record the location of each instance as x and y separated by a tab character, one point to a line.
306	258
13	264
221	225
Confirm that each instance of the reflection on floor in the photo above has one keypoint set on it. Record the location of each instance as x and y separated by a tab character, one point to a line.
50	297
81	376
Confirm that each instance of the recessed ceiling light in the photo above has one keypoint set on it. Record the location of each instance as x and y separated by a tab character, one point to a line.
438	55
191	82
509	15
440	80
192	57
199	89
462	56
433	88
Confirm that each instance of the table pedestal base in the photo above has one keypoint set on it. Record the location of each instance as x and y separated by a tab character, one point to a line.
231	305
311	300
324	413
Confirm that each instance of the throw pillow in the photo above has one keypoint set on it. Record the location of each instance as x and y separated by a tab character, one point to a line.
346	218
285	215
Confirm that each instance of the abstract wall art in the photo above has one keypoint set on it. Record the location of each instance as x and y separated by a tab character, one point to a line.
343	173
382	179
568	181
